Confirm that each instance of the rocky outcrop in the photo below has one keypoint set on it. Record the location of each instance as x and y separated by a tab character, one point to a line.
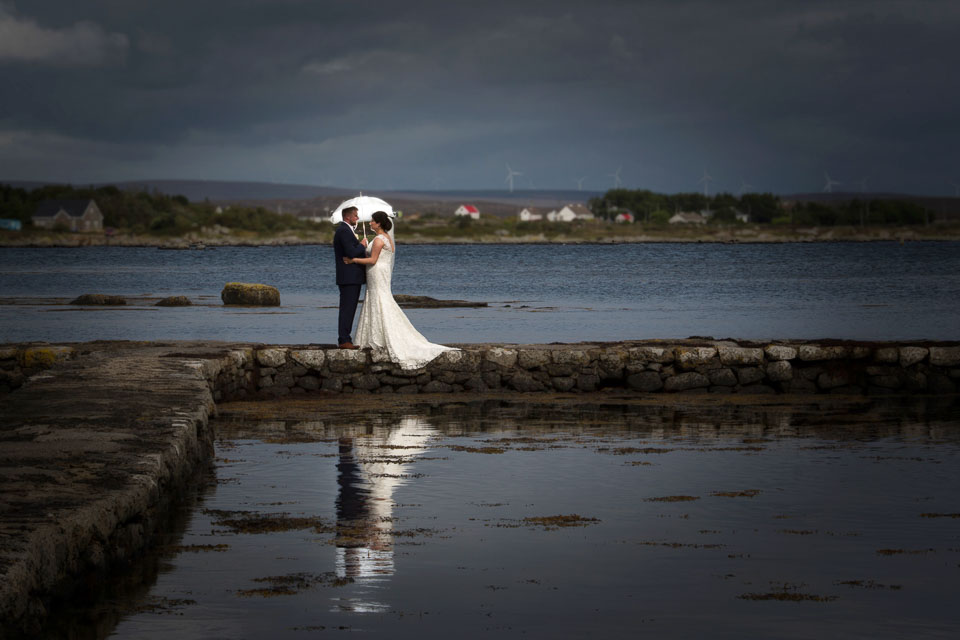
242	293
426	302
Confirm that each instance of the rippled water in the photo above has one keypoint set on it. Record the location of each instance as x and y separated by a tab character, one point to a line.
538	293
836	519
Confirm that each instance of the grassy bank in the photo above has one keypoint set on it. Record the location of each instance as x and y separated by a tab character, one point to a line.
496	231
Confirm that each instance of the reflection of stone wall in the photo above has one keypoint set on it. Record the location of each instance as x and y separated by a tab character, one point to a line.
714	367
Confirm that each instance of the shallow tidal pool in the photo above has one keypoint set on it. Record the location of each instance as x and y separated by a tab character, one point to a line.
567	519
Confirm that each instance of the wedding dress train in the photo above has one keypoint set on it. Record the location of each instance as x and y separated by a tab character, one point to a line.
383	324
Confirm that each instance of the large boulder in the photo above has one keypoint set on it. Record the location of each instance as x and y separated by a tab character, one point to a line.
261	295
174	301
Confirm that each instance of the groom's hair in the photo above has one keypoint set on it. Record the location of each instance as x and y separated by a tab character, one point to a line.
383	220
349	210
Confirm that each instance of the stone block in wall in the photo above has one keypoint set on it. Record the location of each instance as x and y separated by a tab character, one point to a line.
572	357
886	381
532	358
780	352
945	356
663	355
833	379
332	384
458	360
491	378
346	360
882	370
296	370
310	383
685	381
693	357
385	389
423	379
435	386
915	380
886	354
815	352
800	385
810	373
448	377
560	369
309	358
756	390
860	352
283	379
271	357
523	381
265	381
563	384
588	382
749	375
646	381
939	383
667	372
499	356
611	363
740	355
912	355
277	391
722	377
779	371
409	389
475	383
367	381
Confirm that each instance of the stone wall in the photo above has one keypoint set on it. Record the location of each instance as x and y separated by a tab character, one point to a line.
710	367
644	367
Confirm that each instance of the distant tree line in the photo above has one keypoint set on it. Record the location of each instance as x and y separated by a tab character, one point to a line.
147	212
651	207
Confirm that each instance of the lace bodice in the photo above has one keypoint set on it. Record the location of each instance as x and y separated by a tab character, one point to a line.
383	324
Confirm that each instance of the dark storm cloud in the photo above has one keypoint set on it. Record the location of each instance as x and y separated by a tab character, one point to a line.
423	94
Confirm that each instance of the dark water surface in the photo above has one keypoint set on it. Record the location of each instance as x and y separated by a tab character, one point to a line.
562	520
538	293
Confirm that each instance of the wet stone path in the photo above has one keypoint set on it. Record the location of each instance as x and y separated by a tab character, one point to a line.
558	520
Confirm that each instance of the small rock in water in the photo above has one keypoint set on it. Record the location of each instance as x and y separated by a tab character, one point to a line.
174	301
99	298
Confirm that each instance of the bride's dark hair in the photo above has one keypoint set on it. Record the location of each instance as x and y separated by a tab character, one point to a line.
383	220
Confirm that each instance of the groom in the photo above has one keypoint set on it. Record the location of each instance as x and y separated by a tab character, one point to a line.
349	276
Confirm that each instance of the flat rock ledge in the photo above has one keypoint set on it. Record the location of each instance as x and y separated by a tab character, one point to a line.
98	440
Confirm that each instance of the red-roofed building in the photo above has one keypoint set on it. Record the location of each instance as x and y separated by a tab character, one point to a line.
467	210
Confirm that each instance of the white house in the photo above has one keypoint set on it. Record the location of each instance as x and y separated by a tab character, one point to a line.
687	217
572	212
529	214
76	215
467	210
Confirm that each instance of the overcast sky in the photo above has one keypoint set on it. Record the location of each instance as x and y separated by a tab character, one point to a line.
423	95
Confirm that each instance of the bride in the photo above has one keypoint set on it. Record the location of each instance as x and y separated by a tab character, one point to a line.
382	323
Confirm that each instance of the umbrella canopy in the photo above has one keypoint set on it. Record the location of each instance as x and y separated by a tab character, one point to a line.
366	205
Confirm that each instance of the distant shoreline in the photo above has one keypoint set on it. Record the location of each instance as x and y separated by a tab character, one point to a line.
723	235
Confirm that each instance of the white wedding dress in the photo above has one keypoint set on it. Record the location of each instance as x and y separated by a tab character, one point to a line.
383	324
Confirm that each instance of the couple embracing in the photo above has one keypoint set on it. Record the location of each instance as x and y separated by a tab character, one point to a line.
382	323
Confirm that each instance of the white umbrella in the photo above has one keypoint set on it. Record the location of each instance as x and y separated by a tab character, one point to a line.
366	207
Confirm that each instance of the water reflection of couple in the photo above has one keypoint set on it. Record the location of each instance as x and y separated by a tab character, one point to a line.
382	323
368	472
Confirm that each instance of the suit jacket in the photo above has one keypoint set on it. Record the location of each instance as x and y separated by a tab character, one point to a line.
345	244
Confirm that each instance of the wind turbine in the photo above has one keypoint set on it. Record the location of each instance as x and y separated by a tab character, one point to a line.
744	187
863	185
580	183
706	179
828	186
617	183
510	174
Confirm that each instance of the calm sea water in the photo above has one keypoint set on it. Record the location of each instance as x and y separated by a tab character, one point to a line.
560	521
537	293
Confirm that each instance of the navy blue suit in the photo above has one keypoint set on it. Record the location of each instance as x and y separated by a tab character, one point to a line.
350	277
